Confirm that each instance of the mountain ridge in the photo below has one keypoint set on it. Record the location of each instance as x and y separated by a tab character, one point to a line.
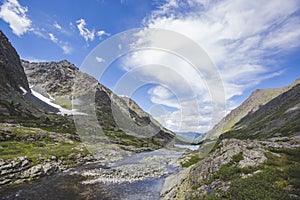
112	111
258	97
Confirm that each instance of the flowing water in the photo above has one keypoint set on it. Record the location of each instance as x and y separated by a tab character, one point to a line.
68	185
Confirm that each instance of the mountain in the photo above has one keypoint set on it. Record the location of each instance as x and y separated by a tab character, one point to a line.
33	142
278	118
257	99
12	75
121	119
258	158
38	135
13	84
188	136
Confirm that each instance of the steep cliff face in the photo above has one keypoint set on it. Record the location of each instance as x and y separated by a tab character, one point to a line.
12	75
257	99
121	118
13	84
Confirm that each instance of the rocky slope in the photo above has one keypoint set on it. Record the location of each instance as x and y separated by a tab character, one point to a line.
257	159
239	169
122	120
12	79
12	75
30	153
279	117
257	99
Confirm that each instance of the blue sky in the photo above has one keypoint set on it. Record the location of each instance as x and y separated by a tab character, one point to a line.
252	44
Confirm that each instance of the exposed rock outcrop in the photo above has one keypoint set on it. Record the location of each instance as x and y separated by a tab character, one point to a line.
202	171
197	180
45	150
22	169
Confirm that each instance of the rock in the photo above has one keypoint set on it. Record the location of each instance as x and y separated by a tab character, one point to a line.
53	158
6	166
172	182
15	164
49	168
2	163
22	158
42	159
25	163
5	181
252	158
34	171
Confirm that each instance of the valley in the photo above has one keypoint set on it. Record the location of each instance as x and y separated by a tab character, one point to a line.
56	143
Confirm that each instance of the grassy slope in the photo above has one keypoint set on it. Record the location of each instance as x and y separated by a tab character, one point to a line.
279	117
278	178
36	143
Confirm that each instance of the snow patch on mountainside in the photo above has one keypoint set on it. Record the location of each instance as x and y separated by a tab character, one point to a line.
62	110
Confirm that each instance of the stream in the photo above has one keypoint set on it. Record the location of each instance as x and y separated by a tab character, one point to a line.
140	176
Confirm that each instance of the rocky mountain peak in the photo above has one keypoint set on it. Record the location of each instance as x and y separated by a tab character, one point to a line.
55	76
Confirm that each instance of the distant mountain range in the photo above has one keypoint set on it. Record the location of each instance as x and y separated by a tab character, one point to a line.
189	136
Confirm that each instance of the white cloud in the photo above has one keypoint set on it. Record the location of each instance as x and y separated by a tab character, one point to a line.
187	119
120	46
66	48
56	25
85	32
160	92
63	45
99	59
15	15
53	38
102	33
88	35
237	35
162	96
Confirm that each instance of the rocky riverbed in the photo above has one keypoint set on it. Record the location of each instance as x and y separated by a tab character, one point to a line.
142	174
139	167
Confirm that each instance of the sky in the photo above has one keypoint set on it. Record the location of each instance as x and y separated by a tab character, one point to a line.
245	45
